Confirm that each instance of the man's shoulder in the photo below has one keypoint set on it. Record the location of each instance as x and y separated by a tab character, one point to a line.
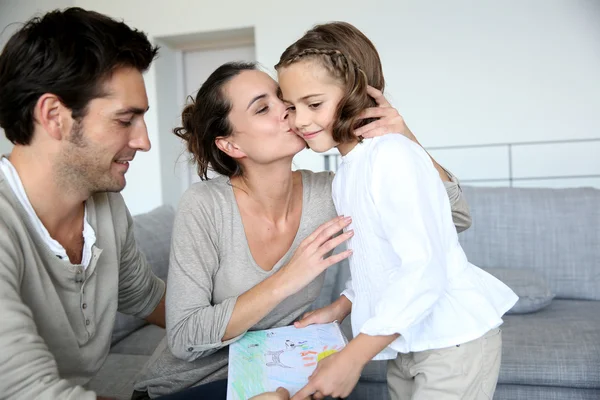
109	205
10	216
6	203
113	202
14	232
108	215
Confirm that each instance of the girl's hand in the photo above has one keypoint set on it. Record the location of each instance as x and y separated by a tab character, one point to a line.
323	315
337	311
335	376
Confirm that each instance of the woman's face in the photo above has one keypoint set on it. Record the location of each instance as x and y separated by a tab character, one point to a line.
261	131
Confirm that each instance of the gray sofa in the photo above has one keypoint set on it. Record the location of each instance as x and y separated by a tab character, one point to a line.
550	354
133	340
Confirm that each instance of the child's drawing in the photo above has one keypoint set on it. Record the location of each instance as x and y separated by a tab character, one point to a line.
274	356
264	360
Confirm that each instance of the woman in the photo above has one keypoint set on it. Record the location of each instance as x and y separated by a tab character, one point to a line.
250	247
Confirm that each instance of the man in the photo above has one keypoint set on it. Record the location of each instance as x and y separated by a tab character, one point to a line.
72	101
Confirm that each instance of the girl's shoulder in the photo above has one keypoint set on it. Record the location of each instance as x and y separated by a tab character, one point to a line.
396	148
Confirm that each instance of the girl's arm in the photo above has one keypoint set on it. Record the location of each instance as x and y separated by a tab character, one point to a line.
413	216
338	374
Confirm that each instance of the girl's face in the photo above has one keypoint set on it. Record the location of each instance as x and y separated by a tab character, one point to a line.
312	96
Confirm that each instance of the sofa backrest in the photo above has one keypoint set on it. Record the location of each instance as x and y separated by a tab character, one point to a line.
553	231
153	236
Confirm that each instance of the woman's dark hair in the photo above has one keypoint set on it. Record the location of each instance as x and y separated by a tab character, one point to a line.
68	53
350	58
207	118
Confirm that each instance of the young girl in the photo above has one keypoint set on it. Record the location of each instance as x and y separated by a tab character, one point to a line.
415	298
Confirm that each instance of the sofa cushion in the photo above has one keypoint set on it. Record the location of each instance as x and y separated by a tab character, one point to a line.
152	233
529	285
553	231
512	392
141	342
558	346
117	375
369	391
153	236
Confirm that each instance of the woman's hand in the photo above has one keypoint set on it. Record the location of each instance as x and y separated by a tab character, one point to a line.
280	394
388	119
310	260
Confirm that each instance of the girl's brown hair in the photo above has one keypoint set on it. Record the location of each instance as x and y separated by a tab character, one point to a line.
352	59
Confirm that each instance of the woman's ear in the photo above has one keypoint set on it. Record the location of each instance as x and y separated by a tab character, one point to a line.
227	146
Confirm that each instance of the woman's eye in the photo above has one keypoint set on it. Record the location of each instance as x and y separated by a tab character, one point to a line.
314	105
290	108
263	110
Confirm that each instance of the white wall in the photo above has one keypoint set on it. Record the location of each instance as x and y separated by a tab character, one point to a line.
461	72
5	145
169	112
12	13
144	189
197	67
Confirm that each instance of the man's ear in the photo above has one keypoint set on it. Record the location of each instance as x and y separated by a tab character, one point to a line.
227	146
53	116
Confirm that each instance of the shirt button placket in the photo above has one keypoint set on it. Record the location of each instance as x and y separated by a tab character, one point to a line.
80	279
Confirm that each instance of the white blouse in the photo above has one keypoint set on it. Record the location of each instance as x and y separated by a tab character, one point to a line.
409	273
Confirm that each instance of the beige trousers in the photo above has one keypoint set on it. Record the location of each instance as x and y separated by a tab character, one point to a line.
465	372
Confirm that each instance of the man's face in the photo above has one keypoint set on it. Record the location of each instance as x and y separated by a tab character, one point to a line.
97	153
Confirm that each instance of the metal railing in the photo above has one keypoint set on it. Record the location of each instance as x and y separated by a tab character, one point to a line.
332	160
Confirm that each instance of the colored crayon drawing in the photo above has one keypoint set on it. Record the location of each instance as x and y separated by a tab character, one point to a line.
262	361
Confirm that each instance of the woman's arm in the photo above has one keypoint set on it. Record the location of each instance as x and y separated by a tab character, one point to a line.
306	264
196	326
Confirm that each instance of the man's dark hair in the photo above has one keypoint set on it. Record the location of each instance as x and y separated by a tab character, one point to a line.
69	53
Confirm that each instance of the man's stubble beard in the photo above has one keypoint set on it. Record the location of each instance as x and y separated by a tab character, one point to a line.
80	166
